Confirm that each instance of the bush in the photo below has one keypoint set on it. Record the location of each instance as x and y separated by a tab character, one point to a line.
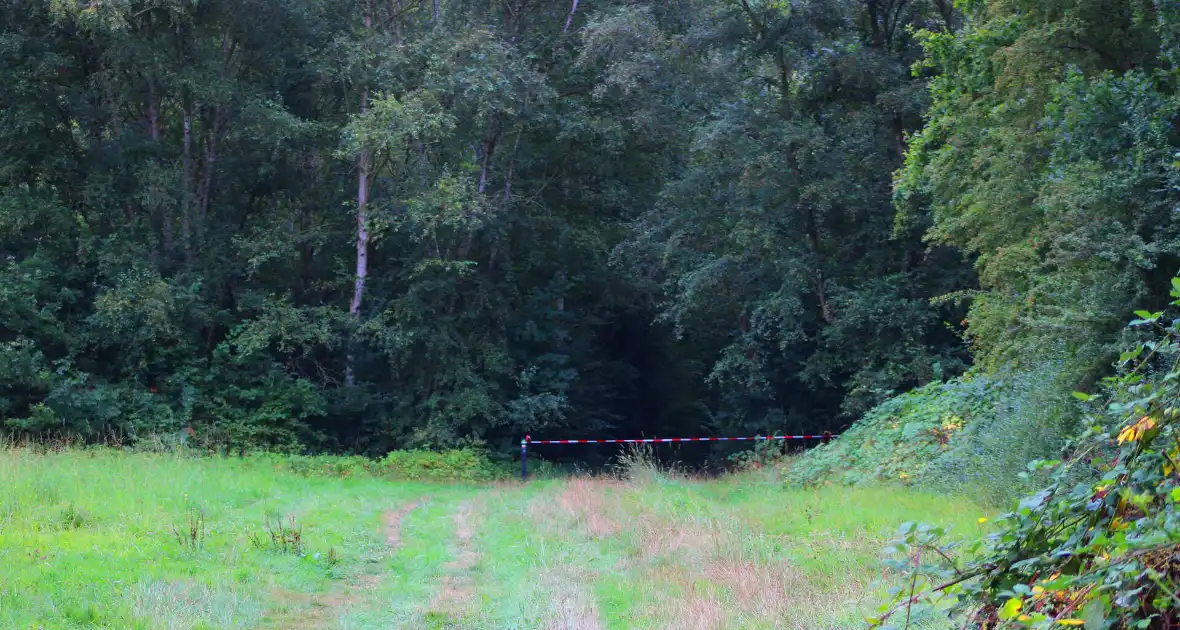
638	463
327	465
466	464
1099	545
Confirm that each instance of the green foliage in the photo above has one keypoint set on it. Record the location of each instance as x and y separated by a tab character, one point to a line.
1096	545
323	465
279	535
466	464
973	434
767	454
900	439
453	465
1027	416
1048	154
772	240
182	188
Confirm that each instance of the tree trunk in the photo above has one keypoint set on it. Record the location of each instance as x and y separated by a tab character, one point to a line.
892	19
511	167
362	232
364	163
874	22
153	111
569	20
160	209
820	291
946	8
205	193
489	147
186	227
362	240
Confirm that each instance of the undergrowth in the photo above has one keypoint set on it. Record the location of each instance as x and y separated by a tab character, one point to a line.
972	434
1098	544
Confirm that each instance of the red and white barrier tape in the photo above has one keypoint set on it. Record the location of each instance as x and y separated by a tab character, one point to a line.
524	444
826	436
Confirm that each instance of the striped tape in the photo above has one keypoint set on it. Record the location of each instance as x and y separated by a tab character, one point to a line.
528	440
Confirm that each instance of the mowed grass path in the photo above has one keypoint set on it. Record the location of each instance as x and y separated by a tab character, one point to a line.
89	539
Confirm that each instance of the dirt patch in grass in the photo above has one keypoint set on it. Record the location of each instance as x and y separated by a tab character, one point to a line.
321	610
392	520
454	597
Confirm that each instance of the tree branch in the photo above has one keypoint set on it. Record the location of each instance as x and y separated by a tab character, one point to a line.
569	20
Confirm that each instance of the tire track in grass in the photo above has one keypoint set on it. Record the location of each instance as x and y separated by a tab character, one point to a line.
326	610
571	607
392	520
454	598
535	566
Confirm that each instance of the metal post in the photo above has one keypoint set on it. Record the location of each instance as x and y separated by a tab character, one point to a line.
524	458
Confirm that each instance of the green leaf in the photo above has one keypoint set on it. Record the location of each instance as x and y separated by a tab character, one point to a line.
1175	495
1011	608
1143	314
1094	613
1176	287
1083	397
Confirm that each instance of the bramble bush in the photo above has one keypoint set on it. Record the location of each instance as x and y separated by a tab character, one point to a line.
1098	546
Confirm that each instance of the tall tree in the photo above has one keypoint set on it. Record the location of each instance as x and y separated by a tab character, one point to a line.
1048	154
772	241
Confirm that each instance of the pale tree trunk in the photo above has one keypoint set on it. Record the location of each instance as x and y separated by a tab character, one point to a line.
364	163
362	242
569	20
362	231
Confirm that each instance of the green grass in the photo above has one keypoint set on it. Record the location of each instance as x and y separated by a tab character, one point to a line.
89	539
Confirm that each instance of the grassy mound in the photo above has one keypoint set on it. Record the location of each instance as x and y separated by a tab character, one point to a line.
971	435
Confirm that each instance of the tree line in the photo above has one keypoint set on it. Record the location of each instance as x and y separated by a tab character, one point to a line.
358	225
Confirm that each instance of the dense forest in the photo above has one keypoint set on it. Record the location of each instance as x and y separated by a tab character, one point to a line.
357	225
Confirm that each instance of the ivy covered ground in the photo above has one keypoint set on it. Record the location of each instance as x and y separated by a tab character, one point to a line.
104	538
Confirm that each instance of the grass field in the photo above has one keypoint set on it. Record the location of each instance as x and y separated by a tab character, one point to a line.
110	539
